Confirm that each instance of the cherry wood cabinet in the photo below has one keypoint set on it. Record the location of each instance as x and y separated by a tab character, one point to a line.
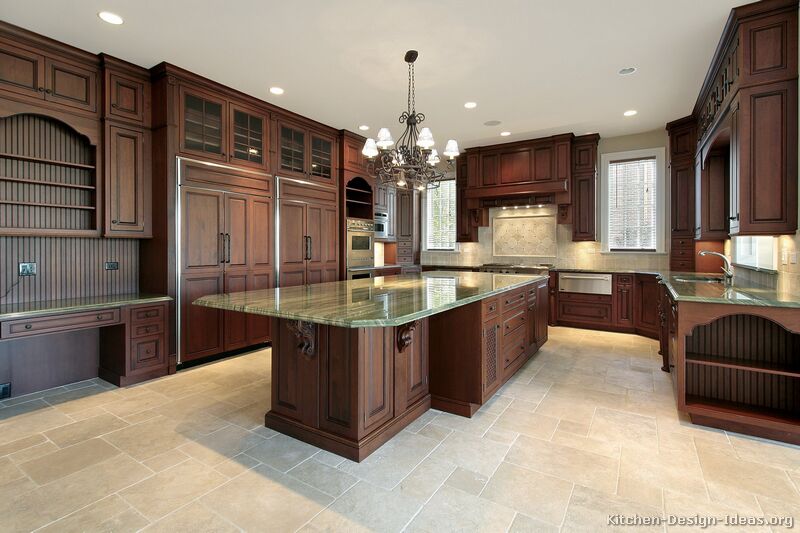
712	196
304	152
408	226
391	210
646	305
126	97
623	288
584	181
686	206
464	228
682	183
248	140
128	183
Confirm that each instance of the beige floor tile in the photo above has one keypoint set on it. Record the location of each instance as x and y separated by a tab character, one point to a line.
624	427
633	489
585	468
778	454
587	444
422	421
355	510
109	514
526	524
86	429
24	420
282	452
533	392
328	458
477	425
130	406
165	460
537	495
467	480
21	444
158	495
530	424
193	518
503	436
630	379
678	471
84	398
686	506
496	404
69	460
573	427
323	477
34	452
236	465
393	461
473	453
736	497
758	478
434	432
589	510
9	471
152	437
264	495
453	510
222	444
426	479
33	509
249	417
782	514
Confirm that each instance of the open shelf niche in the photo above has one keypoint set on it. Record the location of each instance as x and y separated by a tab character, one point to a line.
358	198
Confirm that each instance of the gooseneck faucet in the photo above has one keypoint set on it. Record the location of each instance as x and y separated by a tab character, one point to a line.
727	268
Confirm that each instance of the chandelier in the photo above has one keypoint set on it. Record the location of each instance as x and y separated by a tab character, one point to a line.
411	161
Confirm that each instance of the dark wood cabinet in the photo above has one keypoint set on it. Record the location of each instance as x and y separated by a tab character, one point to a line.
682	184
223	251
21	71
128	185
712	198
623	287
491	356
203	124
408	235
464	226
248	142
647	296
352	160
304	152
538	306
125	97
489	169
580	310
380	200
685	203
391	209
583	207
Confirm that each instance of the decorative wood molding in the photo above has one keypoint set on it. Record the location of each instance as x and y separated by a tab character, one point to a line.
304	333
405	335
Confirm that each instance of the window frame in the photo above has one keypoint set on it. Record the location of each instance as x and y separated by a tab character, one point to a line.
661	198
424	202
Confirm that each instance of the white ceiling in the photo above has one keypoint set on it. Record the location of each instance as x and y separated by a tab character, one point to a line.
539	66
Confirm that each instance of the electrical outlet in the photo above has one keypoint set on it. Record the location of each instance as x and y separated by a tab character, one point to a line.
5	390
27	269
112	265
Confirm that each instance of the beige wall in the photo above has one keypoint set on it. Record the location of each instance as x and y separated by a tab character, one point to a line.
569	254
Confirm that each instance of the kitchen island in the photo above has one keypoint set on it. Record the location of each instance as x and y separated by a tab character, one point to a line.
354	362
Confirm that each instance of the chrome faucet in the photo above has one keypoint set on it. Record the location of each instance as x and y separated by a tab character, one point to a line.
727	268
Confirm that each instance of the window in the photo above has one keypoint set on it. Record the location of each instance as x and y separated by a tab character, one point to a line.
756	252
633	200
440	216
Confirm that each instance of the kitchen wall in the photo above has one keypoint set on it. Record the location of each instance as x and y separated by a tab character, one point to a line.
568	254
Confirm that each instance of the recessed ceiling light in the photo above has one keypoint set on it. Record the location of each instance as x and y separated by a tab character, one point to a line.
276	90
471	105
630	112
492	123
627	71
505	133
111	18
363	127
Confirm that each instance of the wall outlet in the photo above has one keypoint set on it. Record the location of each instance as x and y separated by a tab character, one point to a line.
112	265
5	390
27	269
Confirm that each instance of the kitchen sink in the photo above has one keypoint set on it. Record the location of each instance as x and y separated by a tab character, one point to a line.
700	279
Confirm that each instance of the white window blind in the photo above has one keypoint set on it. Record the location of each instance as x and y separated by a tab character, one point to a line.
440	216
632	205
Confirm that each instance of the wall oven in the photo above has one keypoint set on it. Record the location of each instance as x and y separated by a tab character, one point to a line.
360	242
381	225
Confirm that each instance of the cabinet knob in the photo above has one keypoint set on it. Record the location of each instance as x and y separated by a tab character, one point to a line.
99	317
40	89
28	326
147	351
48	91
114	106
114	221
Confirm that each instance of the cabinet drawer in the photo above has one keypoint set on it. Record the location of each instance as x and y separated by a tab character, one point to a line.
682	253
682	243
584	297
142	330
514	322
513	348
491	308
53	324
625	279
512	300
679	265
149	313
147	352
404	246
584	312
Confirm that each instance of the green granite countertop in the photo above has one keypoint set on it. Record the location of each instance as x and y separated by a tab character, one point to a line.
51	307
373	302
717	293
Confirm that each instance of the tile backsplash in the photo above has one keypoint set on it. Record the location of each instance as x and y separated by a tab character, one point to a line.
568	254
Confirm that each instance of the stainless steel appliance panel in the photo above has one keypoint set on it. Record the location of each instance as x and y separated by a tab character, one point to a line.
584	283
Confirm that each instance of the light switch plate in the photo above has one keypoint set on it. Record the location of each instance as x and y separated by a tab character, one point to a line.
27	269
112	265
793	258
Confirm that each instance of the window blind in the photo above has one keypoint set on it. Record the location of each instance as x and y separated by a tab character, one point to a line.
632	205
440	216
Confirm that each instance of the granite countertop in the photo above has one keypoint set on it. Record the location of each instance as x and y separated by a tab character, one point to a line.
609	270
371	267
76	305
717	293
373	302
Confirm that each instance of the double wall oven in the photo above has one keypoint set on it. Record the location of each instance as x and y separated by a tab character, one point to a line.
360	247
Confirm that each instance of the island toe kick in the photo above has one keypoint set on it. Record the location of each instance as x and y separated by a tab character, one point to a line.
347	390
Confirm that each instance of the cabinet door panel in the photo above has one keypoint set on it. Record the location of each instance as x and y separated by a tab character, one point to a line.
583	212
292	243
201	327
21	71
542	312
412	366
624	302
292	147
490	169
295	376
125	97
235	323
647	301
126	181
515	166
259	327
203	120
262	223
491	355
248	137
322	229
682	189
202	229
543	163
237	231
71	85
378	380
147	352
321	157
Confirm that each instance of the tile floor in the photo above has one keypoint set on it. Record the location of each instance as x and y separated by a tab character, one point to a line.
588	428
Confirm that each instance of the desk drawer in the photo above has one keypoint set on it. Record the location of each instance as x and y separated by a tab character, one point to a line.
53	324
148	313
147	352
142	330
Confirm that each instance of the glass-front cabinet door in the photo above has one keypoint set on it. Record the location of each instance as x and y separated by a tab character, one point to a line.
292	150
203	120
248	137
321	157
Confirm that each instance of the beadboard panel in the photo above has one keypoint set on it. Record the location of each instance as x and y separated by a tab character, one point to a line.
68	267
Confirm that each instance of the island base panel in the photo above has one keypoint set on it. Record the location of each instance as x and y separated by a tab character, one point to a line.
349	449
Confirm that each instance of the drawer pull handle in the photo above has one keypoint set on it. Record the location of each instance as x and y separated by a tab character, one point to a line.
28	326
99	317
